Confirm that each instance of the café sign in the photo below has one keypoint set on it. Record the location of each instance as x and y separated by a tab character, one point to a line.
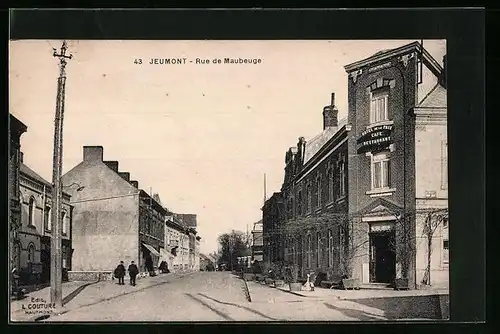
375	138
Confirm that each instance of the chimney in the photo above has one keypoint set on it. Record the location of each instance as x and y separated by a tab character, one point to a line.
301	146
125	176
21	157
135	184
92	153
330	114
443	74
112	165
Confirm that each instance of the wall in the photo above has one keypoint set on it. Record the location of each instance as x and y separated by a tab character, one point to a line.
30	234
105	229
400	81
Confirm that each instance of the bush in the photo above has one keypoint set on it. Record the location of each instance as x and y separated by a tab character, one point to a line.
291	273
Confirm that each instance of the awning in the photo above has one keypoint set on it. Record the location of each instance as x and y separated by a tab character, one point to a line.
151	249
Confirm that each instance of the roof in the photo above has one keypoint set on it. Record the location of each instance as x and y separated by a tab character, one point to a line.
436	98
24	169
383	55
316	143
381	51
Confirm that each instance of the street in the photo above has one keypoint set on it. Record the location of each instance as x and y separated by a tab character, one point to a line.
212	296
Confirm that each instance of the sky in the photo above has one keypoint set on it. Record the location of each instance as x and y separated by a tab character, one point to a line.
202	136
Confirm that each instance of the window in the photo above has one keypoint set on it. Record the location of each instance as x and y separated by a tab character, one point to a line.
318	187
31	253
318	250
309	251
330	184
64	223
381	176
309	198
342	179
445	222
444	164
47	220
299	204
31	212
330	249
378	107
446	247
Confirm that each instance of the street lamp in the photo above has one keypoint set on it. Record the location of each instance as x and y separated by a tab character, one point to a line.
80	187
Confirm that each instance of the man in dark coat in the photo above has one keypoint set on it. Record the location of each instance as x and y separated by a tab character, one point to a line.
133	271
120	273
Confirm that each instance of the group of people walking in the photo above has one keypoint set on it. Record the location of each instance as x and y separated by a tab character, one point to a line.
119	273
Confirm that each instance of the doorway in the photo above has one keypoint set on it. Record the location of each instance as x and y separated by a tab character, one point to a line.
382	257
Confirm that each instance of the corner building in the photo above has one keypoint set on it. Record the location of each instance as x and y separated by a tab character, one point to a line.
397	167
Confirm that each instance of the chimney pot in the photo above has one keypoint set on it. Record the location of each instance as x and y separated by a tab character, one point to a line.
330	114
92	153
21	157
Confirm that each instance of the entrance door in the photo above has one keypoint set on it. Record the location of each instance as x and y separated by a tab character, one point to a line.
383	257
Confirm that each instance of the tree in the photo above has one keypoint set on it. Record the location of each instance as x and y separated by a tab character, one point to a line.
231	246
433	220
353	237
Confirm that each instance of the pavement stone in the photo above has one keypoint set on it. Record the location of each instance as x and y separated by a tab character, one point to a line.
84	294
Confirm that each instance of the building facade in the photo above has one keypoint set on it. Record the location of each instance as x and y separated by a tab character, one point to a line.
113	219
16	129
315	185
257	242
384	169
273	214
397	161
36	230
173	232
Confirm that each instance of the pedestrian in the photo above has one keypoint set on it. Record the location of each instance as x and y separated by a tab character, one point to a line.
132	271
120	273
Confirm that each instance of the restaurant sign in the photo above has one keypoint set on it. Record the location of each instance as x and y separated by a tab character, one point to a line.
375	138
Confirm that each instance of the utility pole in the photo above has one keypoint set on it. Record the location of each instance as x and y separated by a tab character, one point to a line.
56	241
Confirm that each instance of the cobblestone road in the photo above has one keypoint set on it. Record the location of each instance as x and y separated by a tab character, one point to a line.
209	296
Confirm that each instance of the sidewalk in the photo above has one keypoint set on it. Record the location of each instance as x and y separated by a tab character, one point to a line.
322	293
356	304
80	294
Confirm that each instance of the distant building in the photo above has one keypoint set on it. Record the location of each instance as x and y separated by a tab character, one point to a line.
113	220
205	261
257	242
273	217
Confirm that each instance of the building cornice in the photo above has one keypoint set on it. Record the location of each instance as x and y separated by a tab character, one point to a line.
430	115
427	58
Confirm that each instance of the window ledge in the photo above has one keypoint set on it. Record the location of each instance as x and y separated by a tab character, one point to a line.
329	205
371	125
380	192
341	199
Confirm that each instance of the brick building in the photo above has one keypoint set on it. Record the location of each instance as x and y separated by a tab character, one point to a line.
113	219
315	184
397	160
273	214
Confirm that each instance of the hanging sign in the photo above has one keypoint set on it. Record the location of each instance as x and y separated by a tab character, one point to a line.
375	138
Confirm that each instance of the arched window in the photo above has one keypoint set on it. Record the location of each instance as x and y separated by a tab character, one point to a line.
31	212
47	220
64	222
330	249
31	253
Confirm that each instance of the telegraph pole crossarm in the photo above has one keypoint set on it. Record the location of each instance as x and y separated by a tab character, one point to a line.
56	240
